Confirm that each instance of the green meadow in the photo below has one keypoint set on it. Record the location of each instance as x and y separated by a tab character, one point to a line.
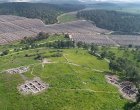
74	82
67	17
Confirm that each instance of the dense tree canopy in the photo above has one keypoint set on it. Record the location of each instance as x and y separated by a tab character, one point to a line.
46	12
113	20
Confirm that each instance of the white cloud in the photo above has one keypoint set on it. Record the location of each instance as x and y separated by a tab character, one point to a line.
75	0
110	0
19	0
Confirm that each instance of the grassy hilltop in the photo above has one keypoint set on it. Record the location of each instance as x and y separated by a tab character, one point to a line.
76	79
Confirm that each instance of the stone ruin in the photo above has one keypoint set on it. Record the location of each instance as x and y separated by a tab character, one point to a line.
126	88
33	86
18	70
129	89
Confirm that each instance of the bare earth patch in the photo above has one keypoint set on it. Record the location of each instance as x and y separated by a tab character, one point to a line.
46	61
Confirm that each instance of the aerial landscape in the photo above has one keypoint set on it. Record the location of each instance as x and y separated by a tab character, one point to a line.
69	55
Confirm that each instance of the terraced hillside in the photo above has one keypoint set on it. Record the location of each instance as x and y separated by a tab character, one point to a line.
16	28
13	28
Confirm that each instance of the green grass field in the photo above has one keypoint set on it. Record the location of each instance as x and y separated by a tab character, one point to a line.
74	82
67	17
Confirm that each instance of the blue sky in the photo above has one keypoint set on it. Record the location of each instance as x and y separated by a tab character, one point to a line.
70	0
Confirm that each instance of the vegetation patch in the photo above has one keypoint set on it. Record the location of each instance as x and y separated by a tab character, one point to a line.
113	20
67	17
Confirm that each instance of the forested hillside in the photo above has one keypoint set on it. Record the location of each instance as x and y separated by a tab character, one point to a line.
46	12
113	20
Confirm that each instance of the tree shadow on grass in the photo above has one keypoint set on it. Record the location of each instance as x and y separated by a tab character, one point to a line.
129	105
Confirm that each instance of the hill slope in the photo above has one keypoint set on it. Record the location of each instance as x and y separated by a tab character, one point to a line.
113	20
46	12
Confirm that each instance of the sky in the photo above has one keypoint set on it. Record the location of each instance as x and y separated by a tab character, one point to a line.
113	0
134	1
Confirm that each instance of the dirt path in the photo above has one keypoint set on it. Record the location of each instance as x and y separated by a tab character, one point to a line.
69	62
86	90
34	68
23	76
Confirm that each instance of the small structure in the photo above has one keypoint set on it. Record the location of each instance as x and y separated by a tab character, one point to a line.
33	87
112	79
70	37
19	70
